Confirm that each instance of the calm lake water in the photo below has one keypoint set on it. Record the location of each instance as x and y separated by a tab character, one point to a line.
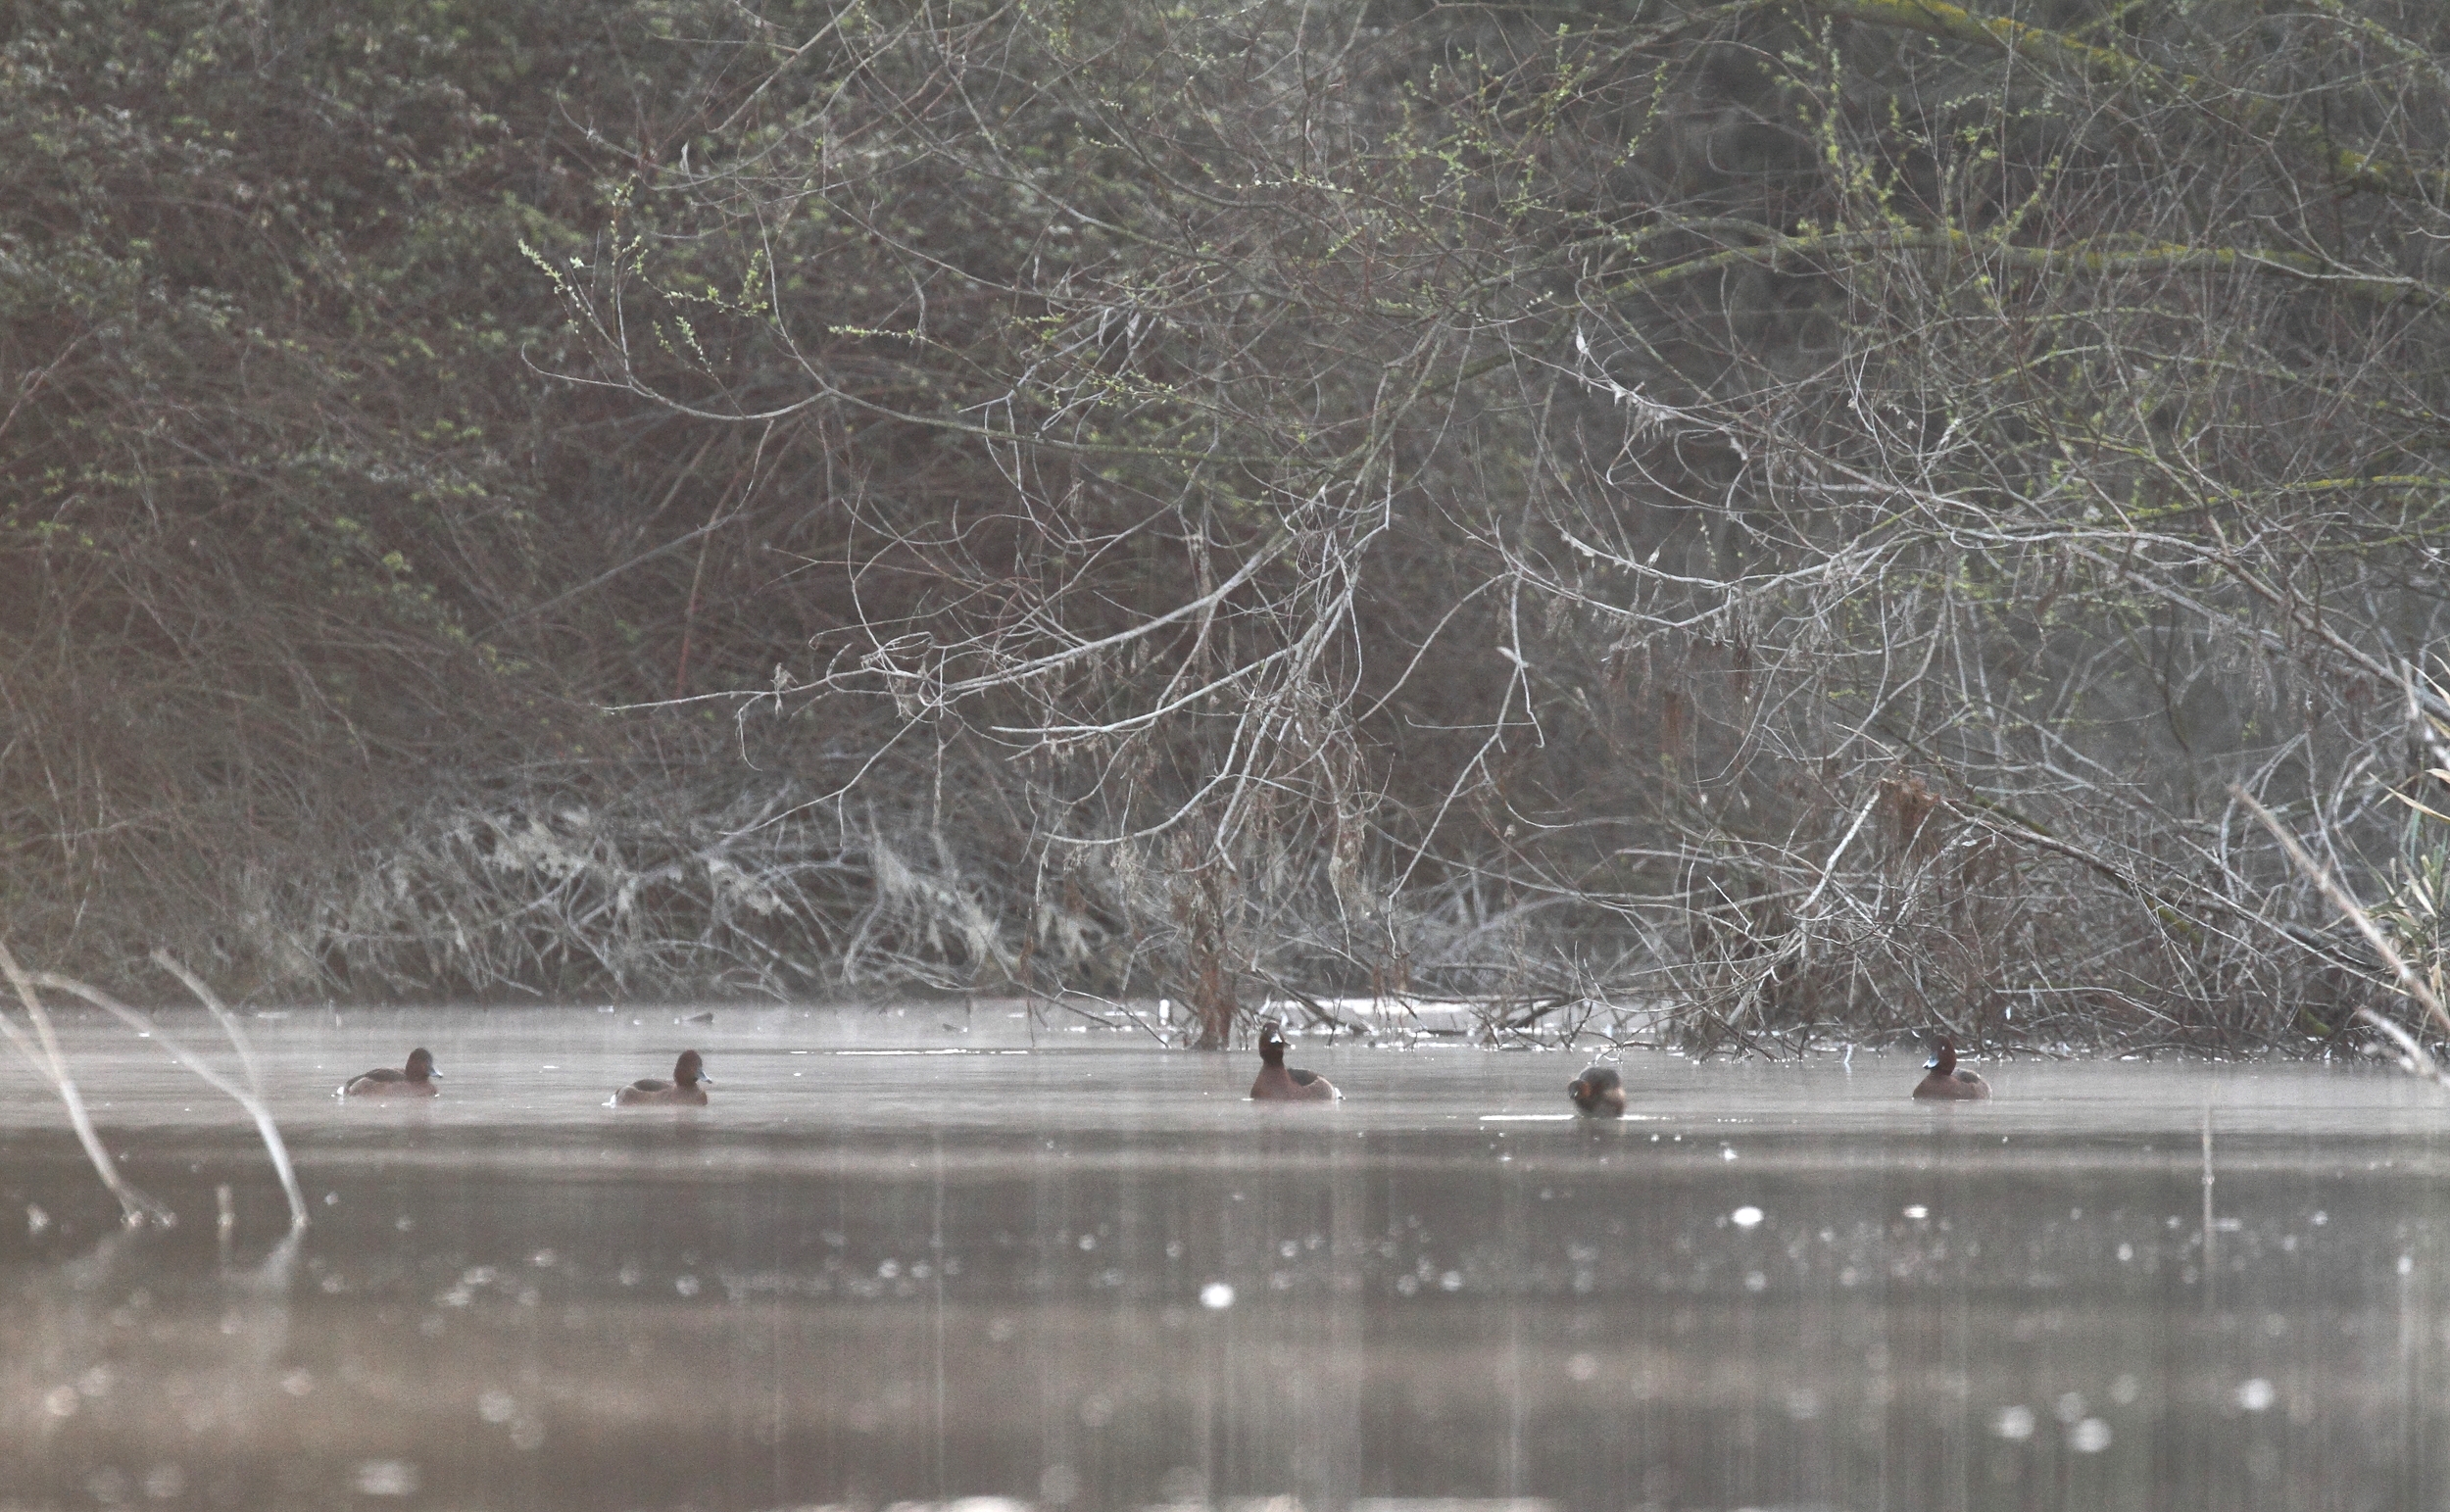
1084	1273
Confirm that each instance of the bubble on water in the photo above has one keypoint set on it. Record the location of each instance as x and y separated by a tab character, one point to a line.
2256	1394
2090	1437
385	1477
1918	1211
497	1406
2125	1389
686	1286
59	1401
1746	1217
2014	1423
1216	1297
2407	1264
36	1220
1452	1281
298	1383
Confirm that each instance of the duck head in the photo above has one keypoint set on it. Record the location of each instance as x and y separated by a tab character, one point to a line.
1272	1044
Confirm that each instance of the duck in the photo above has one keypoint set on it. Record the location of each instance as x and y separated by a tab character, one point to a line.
1599	1093
1946	1083
417	1080
1276	1084
687	1087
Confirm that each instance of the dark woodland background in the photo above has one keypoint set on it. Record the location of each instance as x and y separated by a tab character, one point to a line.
1801	516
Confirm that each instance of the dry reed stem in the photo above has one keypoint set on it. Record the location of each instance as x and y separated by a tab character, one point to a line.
250	1102
2410	983
134	1205
2413	1054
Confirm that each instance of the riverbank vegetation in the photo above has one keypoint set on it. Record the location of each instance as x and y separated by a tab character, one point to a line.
1790	512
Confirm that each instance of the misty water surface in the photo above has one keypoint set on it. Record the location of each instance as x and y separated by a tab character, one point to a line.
1075	1270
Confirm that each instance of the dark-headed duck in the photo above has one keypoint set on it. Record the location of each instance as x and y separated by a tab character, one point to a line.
1276	1083
1599	1093
417	1080
1946	1083
686	1088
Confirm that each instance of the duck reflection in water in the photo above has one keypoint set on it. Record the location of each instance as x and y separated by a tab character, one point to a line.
686	1088
1277	1083
1946	1083
417	1080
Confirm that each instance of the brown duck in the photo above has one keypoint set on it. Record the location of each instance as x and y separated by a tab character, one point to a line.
1946	1083
1599	1093
417	1080
1276	1084
686	1088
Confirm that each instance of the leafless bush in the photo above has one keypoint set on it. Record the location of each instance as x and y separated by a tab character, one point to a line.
1796	512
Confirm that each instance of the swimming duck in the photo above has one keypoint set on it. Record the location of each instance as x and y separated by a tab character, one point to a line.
1276	1083
1946	1082
1599	1093
687	1087
417	1080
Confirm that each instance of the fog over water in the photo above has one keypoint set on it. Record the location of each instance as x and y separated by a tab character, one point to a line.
928	1255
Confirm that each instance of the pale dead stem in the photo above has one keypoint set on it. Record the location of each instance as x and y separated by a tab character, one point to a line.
136	1208
2419	1061
52	1064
